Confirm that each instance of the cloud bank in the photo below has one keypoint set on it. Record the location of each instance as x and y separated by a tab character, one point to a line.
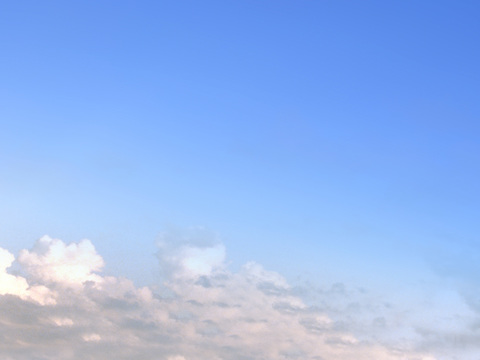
60	306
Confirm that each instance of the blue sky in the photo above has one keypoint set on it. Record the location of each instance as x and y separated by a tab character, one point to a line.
329	141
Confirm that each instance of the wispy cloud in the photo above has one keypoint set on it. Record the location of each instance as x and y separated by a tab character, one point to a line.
62	307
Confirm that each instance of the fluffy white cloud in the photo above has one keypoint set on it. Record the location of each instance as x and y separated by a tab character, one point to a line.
201	311
17	285
51	260
10	284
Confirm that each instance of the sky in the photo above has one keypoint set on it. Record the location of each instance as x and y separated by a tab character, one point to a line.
188	180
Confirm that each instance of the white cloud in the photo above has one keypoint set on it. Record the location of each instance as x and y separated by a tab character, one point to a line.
190	253
51	260
201	311
10	284
92	337
195	261
62	321
17	285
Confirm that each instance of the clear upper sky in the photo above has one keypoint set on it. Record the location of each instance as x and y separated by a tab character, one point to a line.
335	143
333	140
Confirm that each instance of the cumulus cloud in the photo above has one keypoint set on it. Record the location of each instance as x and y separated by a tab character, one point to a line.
52	261
201	310
190	253
10	284
17	285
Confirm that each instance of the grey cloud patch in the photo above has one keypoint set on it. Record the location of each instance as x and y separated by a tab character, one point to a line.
208	328
269	288
182	315
287	308
316	325
447	343
204	281
294	354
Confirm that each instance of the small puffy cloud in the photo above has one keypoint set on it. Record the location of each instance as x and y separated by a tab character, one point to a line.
92	337
62	321
52	261
193	262
190	253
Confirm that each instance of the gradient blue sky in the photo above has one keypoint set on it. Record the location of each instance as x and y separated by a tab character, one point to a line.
331	140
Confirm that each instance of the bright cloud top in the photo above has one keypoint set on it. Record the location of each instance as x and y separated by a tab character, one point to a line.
63	308
51	260
17	285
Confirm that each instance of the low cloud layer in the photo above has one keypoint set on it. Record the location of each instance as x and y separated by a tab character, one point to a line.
60	306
